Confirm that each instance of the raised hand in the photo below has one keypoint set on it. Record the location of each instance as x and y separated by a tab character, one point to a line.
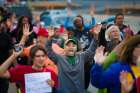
92	10
128	32
4	67
100	56
51	33
17	53
69	12
96	30
26	33
126	81
26	30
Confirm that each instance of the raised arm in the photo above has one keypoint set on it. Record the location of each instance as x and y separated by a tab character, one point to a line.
68	19
4	67
26	33
92	13
51	54
91	50
115	53
98	74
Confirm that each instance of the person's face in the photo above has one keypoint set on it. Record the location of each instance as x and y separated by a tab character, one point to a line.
56	32
114	34
25	20
136	54
78	23
119	20
8	23
70	49
65	35
70	34
39	59
41	40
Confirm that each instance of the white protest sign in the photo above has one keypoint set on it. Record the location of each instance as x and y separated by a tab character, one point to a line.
37	82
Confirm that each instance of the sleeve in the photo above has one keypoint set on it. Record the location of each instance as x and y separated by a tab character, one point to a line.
63	41
16	74
91	50
109	59
67	22
54	78
90	25
138	84
51	54
101	78
26	51
93	22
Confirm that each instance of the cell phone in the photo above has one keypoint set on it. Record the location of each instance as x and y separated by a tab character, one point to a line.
17	47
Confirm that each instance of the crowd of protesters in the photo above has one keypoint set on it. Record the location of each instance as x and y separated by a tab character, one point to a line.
107	55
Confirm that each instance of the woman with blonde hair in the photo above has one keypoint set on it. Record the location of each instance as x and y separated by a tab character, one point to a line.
113	37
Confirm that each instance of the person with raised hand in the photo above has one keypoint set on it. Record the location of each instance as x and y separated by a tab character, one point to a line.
71	64
37	57
8	62
26	33
81	30
6	47
110	78
113	56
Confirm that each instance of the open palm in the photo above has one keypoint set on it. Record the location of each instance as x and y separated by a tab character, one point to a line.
26	30
126	81
100	56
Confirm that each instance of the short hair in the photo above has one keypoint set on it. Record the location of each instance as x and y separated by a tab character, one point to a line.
110	29
79	16
118	14
69	29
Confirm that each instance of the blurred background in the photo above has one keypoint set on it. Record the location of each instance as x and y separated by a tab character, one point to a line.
55	12
50	10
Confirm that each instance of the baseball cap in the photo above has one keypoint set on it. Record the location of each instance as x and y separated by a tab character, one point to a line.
70	40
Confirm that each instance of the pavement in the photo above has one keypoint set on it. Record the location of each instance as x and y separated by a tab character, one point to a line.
12	88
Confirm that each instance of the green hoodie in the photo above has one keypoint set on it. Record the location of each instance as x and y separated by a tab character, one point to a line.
71	59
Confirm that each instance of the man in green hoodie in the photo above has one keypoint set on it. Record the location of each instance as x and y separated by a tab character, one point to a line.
71	64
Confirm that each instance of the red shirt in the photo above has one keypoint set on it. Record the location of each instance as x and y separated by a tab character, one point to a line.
17	74
138	84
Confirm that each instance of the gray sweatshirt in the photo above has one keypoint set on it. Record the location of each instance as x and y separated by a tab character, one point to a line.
71	77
